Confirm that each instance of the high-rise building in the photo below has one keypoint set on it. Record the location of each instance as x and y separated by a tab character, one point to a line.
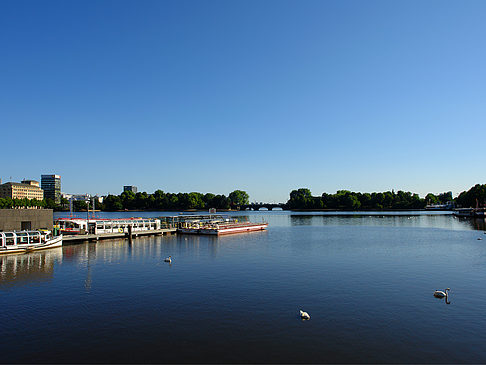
131	188
51	184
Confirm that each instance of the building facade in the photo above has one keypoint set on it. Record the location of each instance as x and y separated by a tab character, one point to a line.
131	188
25	219
51	184
27	189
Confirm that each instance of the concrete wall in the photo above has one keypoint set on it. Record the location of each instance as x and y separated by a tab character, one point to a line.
12	219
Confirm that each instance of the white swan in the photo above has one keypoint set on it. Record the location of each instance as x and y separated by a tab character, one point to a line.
304	315
168	259
441	294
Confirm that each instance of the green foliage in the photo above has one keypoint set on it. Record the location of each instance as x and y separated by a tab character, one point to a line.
300	199
172	201
238	198
476	196
80	205
112	202
347	200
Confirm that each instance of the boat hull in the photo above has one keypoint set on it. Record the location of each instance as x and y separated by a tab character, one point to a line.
55	242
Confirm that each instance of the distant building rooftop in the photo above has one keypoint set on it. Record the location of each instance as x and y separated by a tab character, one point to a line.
31	182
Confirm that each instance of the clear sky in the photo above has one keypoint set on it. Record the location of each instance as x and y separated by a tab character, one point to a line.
263	96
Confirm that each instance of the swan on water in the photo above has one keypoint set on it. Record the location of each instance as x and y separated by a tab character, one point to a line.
304	315
168	259
441	294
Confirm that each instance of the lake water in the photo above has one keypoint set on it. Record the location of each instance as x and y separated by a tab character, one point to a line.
366	280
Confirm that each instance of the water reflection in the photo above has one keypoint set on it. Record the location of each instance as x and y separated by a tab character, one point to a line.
445	221
117	250
475	223
26	268
91	247
301	220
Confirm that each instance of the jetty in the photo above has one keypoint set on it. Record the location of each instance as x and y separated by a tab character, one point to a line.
78	230
73	239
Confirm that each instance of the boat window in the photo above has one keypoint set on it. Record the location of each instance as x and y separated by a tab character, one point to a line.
10	239
22	238
35	238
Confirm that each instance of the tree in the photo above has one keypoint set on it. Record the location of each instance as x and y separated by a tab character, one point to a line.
431	198
221	202
300	199
128	199
50	203
79	205
196	201
474	196
112	202
238	198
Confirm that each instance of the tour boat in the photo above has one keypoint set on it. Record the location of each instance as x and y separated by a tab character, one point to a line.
470	212
26	241
219	226
81	226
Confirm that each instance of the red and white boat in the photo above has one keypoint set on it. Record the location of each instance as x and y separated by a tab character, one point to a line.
219	226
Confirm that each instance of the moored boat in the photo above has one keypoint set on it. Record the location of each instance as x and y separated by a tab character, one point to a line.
218	226
26	241
470	212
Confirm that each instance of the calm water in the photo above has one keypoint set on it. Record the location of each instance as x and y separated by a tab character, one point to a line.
366	280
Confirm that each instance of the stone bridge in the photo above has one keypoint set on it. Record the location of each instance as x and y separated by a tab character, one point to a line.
257	206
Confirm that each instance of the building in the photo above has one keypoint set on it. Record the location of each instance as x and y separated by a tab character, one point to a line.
131	188
83	197
76	197
25	219
27	189
30	182
51	184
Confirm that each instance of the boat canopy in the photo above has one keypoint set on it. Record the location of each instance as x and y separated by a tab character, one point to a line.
21	238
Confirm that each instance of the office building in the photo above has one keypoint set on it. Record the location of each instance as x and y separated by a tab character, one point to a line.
131	188
27	189
51	184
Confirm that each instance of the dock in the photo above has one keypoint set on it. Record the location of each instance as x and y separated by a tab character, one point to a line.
79	230
73	239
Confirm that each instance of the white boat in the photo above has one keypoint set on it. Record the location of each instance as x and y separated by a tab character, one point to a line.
80	226
470	212
26	241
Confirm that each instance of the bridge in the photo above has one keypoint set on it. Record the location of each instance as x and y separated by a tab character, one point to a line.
257	206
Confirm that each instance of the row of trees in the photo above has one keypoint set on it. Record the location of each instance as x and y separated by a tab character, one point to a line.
8	203
299	199
141	201
348	200
160	200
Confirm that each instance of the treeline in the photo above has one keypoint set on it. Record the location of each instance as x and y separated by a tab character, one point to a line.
299	199
476	196
140	201
348	200
173	201
8	203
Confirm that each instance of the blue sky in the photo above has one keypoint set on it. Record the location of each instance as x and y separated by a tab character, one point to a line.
263	96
